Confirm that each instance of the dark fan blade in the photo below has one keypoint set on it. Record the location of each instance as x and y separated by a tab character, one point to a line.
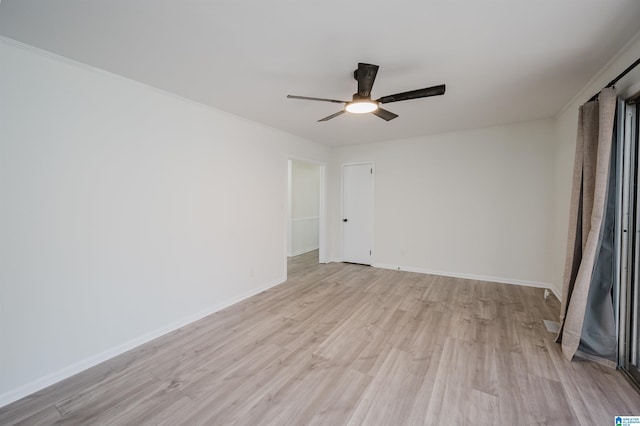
366	75
414	94
332	116
384	114
306	98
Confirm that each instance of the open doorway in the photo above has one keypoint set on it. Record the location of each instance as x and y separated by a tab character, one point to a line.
306	212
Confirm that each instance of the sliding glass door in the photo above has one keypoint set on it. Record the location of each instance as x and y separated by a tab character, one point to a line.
628	292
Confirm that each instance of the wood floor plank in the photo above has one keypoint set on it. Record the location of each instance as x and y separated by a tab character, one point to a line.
47	416
459	376
546	403
337	404
385	400
30	407
348	344
107	399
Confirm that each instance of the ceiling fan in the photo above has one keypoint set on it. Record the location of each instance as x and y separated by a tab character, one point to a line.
361	102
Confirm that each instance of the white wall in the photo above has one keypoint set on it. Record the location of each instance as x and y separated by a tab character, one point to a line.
305	207
566	125
471	204
125	214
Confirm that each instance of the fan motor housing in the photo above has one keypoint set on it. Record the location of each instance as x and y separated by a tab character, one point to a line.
357	97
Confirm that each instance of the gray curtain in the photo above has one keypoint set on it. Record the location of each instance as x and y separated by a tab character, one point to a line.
587	318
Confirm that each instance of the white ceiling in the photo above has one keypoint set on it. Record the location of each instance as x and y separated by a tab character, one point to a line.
503	61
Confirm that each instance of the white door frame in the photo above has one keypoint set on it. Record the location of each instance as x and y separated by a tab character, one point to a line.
373	194
322	203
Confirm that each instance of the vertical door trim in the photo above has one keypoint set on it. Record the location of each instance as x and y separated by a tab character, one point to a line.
289	205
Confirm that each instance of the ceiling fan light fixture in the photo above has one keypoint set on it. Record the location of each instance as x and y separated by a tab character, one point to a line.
361	102
361	107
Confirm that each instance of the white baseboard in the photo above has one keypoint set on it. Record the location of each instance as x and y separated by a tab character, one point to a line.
57	376
303	251
555	291
500	280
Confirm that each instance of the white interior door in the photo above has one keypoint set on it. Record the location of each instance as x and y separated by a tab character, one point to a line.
357	213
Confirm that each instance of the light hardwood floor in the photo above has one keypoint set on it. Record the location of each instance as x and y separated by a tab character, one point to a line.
349	344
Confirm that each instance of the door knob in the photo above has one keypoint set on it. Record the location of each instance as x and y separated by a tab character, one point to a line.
344	220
